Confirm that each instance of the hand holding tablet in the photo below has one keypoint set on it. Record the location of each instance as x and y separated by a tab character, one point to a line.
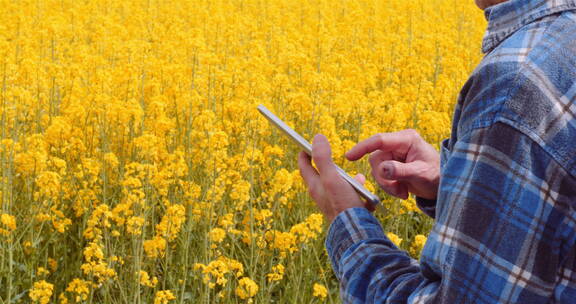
305	145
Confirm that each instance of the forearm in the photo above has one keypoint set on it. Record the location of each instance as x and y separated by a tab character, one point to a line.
369	266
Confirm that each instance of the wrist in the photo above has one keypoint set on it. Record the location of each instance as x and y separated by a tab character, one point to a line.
337	211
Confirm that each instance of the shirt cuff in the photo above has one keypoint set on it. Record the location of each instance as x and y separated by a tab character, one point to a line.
427	206
349	228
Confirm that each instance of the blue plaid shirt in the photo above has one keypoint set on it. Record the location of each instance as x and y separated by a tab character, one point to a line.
505	216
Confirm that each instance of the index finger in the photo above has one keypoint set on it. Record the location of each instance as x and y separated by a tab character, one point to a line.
398	142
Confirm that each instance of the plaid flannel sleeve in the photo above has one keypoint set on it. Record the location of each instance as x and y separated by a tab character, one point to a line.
502	232
369	266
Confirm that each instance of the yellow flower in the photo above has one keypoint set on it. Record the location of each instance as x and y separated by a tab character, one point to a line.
277	273
273	152
320	291
284	242
309	229
93	252
134	225
240	193
61	224
8	222
217	235
63	299
417	245
41	292
216	272
111	160
409	205
263	218
171	222
226	220
146	281
155	247
41	271
99	270
26	162
53	264
163	297
28	248
79	287
394	238
48	183
281	183
246	288
95	265
99	219
117	259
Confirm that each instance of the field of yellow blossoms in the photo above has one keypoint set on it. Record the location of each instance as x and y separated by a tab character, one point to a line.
136	169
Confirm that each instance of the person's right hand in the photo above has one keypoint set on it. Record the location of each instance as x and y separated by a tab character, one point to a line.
401	162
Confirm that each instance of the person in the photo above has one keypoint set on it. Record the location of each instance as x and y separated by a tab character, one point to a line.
502	191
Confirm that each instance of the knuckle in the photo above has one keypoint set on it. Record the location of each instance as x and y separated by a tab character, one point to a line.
330	184
381	137
371	156
399	171
315	189
319	157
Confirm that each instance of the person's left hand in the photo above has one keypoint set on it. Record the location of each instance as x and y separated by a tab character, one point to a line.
329	190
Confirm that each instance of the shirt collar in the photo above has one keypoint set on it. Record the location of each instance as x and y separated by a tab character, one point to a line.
507	17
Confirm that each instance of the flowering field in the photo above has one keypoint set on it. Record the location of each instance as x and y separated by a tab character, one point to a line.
136	169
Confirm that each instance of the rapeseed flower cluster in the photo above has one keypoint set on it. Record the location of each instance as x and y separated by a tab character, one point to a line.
320	291
246	288
394	238
417	245
146	280
79	289
217	272
277	273
163	297
135	167
41	292
8	224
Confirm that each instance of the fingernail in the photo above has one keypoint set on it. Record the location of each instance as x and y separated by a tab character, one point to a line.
387	172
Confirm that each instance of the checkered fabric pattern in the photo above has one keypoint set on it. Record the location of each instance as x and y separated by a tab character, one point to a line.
505	216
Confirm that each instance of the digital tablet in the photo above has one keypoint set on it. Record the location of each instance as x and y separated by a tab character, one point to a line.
307	147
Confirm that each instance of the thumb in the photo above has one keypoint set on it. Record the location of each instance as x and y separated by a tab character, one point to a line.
395	170
360	178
